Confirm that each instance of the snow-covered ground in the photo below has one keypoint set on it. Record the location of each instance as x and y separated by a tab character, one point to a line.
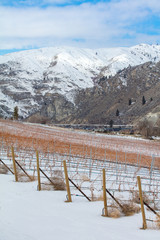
28	214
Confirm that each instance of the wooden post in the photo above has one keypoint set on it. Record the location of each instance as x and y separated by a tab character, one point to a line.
14	164
69	155
90	163
104	194
67	181
141	201
38	172
125	160
116	166
105	157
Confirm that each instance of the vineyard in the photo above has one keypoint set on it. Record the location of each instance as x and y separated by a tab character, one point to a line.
86	154
78	143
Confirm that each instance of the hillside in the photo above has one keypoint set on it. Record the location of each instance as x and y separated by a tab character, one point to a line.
52	77
99	104
124	92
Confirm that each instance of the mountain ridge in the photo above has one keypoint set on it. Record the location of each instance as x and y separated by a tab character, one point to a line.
30	77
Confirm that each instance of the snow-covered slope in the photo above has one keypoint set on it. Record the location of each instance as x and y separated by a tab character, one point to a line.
27	76
29	215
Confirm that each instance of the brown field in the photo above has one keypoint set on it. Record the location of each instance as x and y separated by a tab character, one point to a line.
66	141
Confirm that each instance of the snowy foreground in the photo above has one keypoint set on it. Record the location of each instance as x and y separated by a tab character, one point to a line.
26	214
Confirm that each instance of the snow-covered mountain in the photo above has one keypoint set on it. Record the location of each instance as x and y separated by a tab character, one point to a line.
27	77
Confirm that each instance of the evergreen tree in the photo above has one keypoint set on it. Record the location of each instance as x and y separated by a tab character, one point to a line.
117	113
143	100
15	113
111	123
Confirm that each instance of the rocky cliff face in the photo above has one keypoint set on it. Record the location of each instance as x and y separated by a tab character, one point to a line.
124	92
79	85
134	91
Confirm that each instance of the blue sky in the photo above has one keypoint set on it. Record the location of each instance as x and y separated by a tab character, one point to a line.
29	24
44	3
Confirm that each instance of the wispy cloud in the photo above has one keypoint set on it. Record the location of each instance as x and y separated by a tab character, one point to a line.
111	23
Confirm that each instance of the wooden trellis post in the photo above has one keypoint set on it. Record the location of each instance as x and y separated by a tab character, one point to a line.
14	164
142	205
67	182
104	194
38	172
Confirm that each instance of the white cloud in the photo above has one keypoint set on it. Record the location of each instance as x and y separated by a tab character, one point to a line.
101	24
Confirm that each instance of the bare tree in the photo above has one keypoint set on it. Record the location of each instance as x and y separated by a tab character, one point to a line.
146	128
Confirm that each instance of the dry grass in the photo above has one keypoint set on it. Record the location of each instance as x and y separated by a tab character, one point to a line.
93	197
3	169
150	200
114	213
84	178
154	224
58	184
58	181
99	198
158	222
135	197
24	178
47	187
130	209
